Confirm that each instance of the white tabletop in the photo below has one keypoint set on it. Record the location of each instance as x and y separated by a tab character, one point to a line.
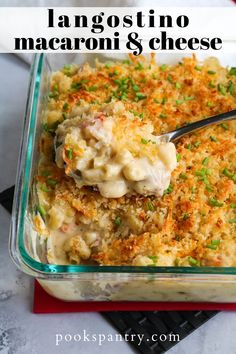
21	331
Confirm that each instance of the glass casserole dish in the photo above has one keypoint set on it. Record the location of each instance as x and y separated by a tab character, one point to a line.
94	282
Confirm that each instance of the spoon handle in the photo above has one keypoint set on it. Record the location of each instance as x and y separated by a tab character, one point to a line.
178	133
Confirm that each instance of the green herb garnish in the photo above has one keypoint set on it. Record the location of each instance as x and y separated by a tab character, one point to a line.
205	161
193	262
139	96
163	67
213	245
162	115
211	84
227	173
211	72
51	182
213	138
188	98
150	206
224	126
231	87
178	157
178	85
169	189
69	154
65	106
185	216
210	104
153	258
221	89
197	144
40	209
214	202
92	88
139	66
117	221
144	141
232	71
183	176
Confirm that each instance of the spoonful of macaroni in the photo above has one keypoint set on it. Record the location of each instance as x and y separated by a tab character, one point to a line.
116	153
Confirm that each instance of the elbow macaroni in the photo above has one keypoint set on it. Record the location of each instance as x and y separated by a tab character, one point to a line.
102	158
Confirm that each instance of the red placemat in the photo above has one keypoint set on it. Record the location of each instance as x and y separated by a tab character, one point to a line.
45	303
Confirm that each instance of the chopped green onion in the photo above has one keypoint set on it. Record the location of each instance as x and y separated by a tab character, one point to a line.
233	205
198	68
211	84
178	157
153	258
193	262
209	188
214	202
67	70
183	176
144	141
117	221
197	144
163	67
126	61
203	172
211	72
155	100
162	115
231	87
78	85
189	146
139	66
213	138
92	88
178	85
224	126
136	88
44	188
169	78
40	209
221	89
140	96
231	221
185	216
227	173
215	242
179	101
188	98
108	65
213	247
205	161
210	104
51	182
65	106
164	100
150	206
169	189
69	154
232	71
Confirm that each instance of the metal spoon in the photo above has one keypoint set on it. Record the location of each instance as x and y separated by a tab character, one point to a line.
178	133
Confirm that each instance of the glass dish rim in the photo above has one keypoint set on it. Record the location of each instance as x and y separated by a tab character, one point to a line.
18	251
